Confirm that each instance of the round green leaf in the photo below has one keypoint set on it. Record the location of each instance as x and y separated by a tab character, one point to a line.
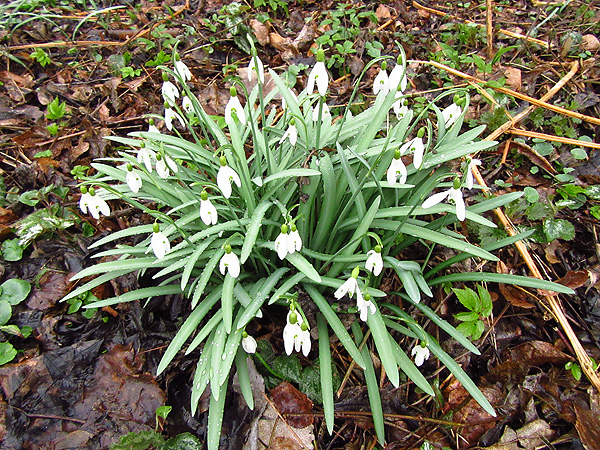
14	291
5	312
7	352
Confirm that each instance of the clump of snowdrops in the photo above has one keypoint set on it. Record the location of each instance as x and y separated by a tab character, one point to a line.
290	200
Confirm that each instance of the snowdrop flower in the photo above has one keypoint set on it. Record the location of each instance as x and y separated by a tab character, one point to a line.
396	168
374	260
256	66
397	79
365	306
294	240
187	105
472	162
421	354
234	109
248	343
225	177
454	195
281	243
160	243
152	128
182	70
400	106
417	146
229	263
208	212
146	156
163	164
291	133
451	114
318	75
92	203
382	81
133	179
324	113
350	286
296	335
169	116
169	91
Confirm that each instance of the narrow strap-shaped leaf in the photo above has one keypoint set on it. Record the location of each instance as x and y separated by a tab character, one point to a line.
253	228
132	231
335	324
325	372
191	261
138	294
216	408
491	277
289	173
227	302
418	276
231	349
261	296
208	327
187	329
383	343
300	263
329	202
406	276
411	371
241	365
336	283
286	286
372	386
218	347
95	282
120	264
201	378
206	274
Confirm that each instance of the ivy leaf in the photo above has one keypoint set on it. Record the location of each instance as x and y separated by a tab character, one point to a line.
558	229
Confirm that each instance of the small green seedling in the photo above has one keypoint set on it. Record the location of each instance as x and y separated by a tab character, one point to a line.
41	57
479	305
55	110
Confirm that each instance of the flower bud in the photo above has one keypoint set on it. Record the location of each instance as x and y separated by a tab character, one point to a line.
284	228
320	55
232	91
223	160
456	183
83	189
293	318
204	195
165	76
227	248
356	272
421	132
156	227
377	249
92	191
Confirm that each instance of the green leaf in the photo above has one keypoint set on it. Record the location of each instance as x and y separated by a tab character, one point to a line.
14	291
558	229
215	417
467	316
140	440
300	263
227	302
468	298
326	373
201	376
382	339
183	441
7	352
289	173
335	323
5	312
11	250
490	277
486	301
241	364
253	228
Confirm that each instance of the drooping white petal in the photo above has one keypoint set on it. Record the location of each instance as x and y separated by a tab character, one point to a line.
187	105
398	78
146	156
84	202
350	286
225	177
304	338
319	76
420	354
134	181
182	71
381	83
256	66
208	212
169	116
249	344
234	106
152	129
418	147
396	168
97	205
374	262
291	133
294	242
400	109
456	197
435	199
281	245
230	263
160	244
170	92
470	167
364	308
161	168
451	114
324	113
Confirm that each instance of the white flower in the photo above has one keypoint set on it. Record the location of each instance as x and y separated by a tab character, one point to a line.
396	168
294	241
230	262
451	114
470	167
281	244
152	129
454	195
400	109
160	244
234	106
248	343
319	76
208	212
225	177
182	71
169	116
398	78
374	261
256	66
420	353
381	83
350	287
146	156
170	92
94	204
294	337
291	133
164	164
365	306
187	105
134	181
324	113
417	146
